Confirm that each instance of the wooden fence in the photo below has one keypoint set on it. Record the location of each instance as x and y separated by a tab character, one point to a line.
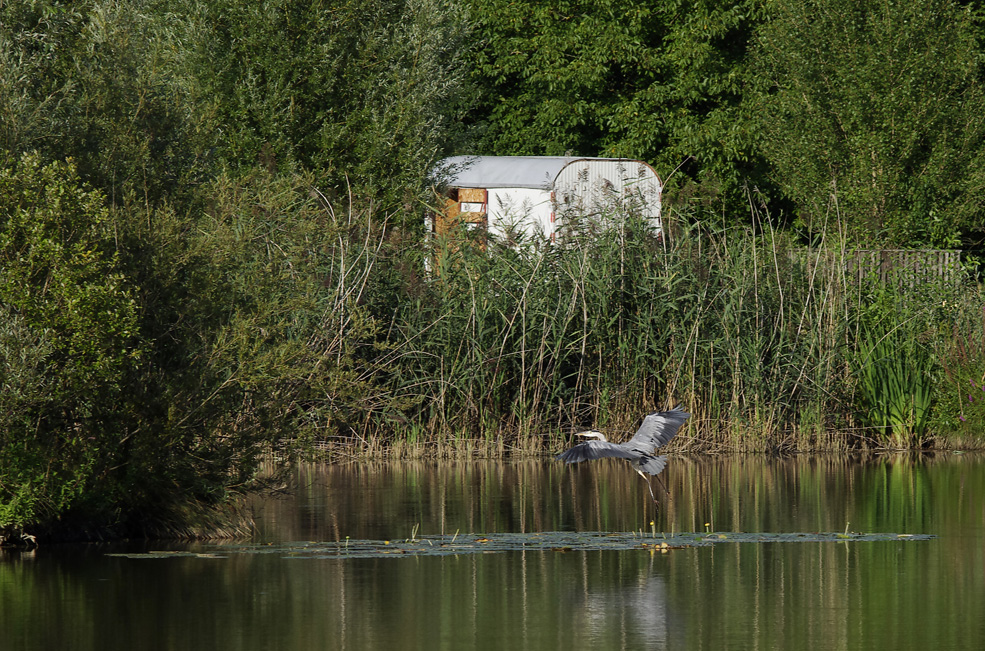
906	268
900	267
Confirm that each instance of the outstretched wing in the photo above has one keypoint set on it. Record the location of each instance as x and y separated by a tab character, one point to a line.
596	450
657	430
651	465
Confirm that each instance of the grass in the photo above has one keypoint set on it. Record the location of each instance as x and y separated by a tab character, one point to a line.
895	385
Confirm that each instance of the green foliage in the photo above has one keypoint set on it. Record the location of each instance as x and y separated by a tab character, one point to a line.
255	345
757	334
873	117
98	81
895	384
909	359
278	333
243	341
151	98
662	82
227	291
68	340
363	94
961	394
520	341
251	337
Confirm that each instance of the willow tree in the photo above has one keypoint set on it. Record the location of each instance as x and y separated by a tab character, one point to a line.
99	81
873	113
364	95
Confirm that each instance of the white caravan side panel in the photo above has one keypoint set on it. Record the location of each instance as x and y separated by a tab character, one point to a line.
525	212
594	189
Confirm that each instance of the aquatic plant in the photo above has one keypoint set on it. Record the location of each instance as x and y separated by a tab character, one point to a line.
601	327
895	383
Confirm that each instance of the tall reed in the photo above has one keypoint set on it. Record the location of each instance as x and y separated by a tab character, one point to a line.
535	338
895	384
511	346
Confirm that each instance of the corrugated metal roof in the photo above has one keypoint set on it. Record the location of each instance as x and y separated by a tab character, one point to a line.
506	171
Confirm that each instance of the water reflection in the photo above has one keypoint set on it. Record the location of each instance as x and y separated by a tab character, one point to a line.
885	595
636	608
744	493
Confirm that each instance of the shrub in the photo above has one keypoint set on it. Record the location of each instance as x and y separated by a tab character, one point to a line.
68	342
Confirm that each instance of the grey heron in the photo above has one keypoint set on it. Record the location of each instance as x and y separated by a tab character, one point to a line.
655	432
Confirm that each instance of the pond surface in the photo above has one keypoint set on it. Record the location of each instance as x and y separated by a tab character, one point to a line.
302	585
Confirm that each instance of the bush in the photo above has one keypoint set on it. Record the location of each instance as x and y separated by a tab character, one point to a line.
68	342
961	392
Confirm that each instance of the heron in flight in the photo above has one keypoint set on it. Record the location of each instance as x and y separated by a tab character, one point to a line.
655	432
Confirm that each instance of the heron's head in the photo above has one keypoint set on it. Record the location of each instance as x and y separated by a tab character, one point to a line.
592	434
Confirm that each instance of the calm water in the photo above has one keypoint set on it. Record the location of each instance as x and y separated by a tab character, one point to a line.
807	595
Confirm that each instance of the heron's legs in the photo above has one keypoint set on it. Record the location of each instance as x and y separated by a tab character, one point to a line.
663	486
648	485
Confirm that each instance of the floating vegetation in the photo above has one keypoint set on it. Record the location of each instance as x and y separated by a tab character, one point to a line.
555	541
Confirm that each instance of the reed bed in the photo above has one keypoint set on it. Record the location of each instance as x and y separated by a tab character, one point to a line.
506	348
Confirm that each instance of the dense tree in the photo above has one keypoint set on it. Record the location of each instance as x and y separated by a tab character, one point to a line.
152	97
874	117
68	341
363	94
658	81
100	82
149	359
174	302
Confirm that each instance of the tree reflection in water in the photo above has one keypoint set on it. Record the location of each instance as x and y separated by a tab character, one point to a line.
872	595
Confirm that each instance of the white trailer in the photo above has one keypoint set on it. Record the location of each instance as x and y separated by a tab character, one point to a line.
537	196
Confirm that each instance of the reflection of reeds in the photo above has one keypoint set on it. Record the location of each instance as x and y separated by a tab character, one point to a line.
786	596
886	492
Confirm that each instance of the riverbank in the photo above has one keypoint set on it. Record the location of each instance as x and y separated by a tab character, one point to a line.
502	351
231	519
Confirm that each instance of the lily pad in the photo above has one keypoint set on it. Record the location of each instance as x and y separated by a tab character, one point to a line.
550	541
